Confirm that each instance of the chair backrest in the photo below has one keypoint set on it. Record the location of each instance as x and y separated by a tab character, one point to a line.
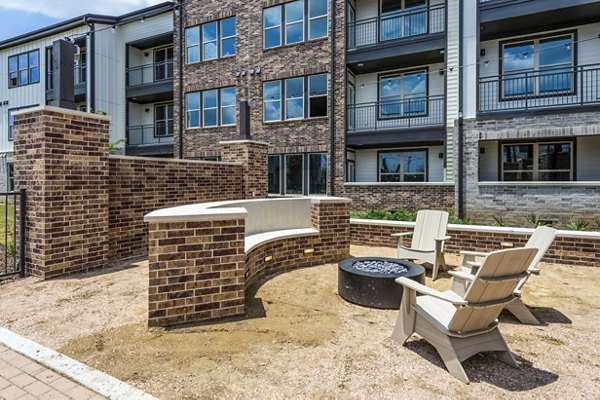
430	224
492	288
541	239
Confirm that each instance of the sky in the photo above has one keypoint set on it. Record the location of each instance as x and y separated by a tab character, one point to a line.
19	16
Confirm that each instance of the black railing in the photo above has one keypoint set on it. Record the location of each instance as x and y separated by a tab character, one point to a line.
407	23
149	73
79	76
550	88
12	234
408	113
159	133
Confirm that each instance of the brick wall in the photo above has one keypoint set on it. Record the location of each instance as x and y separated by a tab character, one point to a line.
571	248
62	162
394	197
253	156
196	271
141	185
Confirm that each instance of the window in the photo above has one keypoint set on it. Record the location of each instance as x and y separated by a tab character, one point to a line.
24	69
403	95
297	92
402	18
538	67
209	108
11	176
211	40
537	162
317	173
403	166
11	120
294	174
288	23
274	174
163	120
163	64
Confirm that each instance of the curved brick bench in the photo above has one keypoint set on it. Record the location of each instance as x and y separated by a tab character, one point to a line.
203	257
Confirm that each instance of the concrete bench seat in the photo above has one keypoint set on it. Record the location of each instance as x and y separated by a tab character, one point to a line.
253	241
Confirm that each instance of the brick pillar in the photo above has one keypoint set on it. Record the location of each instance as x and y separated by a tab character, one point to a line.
61	160
197	270
253	156
331	217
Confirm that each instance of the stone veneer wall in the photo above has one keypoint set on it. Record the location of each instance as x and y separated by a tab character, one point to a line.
571	248
61	160
516	202
141	185
199	271
438	196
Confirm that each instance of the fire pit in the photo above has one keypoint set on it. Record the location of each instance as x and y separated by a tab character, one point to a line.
370	281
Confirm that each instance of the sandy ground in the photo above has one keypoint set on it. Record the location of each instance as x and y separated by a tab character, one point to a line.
299	339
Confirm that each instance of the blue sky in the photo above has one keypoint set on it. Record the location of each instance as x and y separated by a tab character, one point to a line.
19	16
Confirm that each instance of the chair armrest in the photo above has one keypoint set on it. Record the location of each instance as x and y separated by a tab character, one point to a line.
416	286
441	239
462	275
534	271
402	234
473	253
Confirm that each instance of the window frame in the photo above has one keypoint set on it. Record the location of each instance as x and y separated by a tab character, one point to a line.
28	69
306	99
306	19
310	97
279	182
535	171
285	179
402	74
308	189
536	73
404	13
168	122
218	40
165	64
201	108
402	173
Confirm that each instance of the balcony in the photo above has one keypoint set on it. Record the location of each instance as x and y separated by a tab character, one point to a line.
405	38
559	88
150	82
149	140
79	82
412	120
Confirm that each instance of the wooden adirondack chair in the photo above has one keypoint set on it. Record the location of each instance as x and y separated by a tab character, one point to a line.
461	326
541	239
427	240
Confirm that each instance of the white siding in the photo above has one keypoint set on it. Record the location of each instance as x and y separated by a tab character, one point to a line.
488	162
452	60
366	164
588	148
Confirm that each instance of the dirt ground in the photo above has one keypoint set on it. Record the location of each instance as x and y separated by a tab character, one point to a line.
299	339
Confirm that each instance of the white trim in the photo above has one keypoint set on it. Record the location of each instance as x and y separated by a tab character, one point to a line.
399	184
253	241
540	183
85	375
63	111
171	160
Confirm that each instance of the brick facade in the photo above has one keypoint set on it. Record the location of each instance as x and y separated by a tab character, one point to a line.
199	271
571	248
395	197
62	159
252	155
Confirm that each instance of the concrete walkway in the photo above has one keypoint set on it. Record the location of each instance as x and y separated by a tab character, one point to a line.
22	378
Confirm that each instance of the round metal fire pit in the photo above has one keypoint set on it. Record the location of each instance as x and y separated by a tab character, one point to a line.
370	281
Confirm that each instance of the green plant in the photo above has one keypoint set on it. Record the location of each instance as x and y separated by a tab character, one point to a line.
577	225
113	145
100	112
499	221
453	219
597	222
536	221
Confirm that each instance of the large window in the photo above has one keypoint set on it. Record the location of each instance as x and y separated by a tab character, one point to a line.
274	174
209	108
211	40
163	63
163	120
401	18
294	21
287	99
294	174
298	174
537	162
539	67
24	69
403	166
403	95
317	173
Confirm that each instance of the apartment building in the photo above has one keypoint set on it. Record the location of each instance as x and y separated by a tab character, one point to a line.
119	65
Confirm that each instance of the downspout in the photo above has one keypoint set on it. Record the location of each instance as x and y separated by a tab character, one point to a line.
180	91
460	183
90	70
332	102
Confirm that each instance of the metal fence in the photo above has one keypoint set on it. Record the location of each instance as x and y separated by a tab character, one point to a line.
79	76
408	113
406	23
149	73
550	88
12	234
159	133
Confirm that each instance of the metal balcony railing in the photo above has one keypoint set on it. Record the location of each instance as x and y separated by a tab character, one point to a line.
408	113
142	135
79	76
407	23
149	73
549	88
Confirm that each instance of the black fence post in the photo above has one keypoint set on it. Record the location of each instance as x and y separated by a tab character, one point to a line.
22	232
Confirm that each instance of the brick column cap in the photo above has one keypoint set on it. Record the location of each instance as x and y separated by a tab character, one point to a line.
195	212
328	199
225	142
63	111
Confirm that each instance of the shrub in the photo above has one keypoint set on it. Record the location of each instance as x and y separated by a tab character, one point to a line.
577	225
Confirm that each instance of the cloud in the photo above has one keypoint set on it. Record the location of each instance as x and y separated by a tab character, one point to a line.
63	9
